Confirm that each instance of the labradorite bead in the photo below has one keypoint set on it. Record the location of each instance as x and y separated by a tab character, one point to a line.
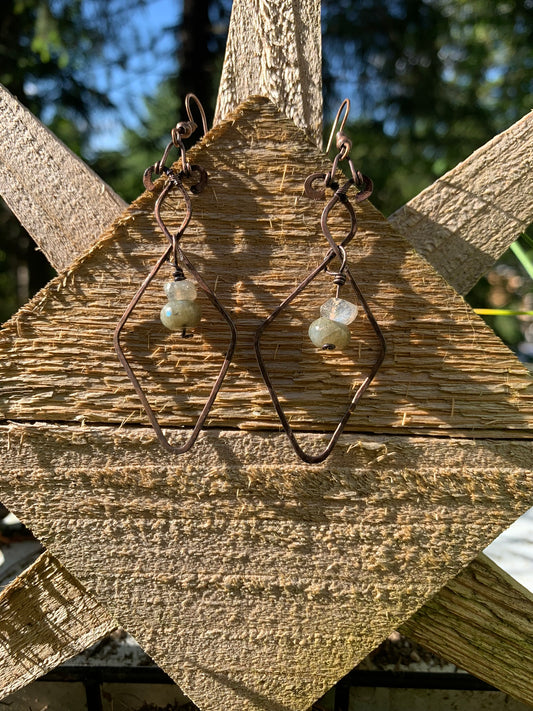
177	315
339	310
325	332
182	290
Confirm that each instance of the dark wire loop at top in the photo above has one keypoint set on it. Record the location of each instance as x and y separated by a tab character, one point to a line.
185	129
362	182
181	131
345	103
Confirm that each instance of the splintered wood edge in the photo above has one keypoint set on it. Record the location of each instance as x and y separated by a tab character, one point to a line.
46	617
275	50
483	622
459	624
61	202
464	221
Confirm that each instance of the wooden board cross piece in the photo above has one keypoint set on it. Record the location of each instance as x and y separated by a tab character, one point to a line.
254	580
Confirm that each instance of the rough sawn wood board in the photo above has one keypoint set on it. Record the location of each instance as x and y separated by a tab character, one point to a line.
274	49
262	560
466	219
483	619
254	236
41	179
254	581
47	617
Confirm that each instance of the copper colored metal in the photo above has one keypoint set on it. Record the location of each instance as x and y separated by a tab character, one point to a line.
343	274
343	143
179	259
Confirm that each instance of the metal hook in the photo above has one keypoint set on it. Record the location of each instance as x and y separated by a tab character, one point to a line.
185	129
343	141
198	103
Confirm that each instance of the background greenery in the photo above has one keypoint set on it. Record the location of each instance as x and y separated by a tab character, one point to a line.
430	81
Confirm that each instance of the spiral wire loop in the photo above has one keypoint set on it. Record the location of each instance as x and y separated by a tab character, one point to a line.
327	181
178	259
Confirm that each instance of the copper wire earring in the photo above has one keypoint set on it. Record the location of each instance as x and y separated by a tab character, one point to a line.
181	312
330	331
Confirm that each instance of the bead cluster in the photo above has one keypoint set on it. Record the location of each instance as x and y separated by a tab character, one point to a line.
182	311
330	330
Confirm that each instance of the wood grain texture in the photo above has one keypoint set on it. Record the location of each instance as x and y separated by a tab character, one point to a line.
46	618
483	621
132	216
464	221
274	50
253	580
254	236
61	202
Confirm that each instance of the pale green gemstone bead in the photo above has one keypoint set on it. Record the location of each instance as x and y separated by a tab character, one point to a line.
177	315
182	290
339	310
325	332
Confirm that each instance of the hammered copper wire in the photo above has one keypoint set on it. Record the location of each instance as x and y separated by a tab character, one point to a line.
336	250
175	254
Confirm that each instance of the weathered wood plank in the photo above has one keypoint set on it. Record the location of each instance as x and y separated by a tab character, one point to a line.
55	195
445	370
483	621
398	223
46	617
324	560
464	221
274	50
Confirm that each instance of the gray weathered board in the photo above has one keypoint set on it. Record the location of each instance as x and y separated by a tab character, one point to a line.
41	180
482	616
325	560
466	219
274	49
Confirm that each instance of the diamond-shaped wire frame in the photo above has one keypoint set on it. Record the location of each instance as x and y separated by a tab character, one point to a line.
183	259
335	251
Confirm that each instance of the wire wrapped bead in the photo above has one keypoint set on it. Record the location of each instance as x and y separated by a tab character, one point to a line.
177	315
181	311
328	334
339	310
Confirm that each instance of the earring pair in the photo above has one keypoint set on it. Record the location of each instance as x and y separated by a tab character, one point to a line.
182	313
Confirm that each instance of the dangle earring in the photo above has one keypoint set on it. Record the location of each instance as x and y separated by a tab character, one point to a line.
181	312
330	331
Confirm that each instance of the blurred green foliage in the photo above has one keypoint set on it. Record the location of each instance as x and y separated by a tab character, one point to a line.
509	286
431	80
50	54
123	168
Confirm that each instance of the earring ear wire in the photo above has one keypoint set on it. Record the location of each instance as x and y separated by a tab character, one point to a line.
188	99
340	133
